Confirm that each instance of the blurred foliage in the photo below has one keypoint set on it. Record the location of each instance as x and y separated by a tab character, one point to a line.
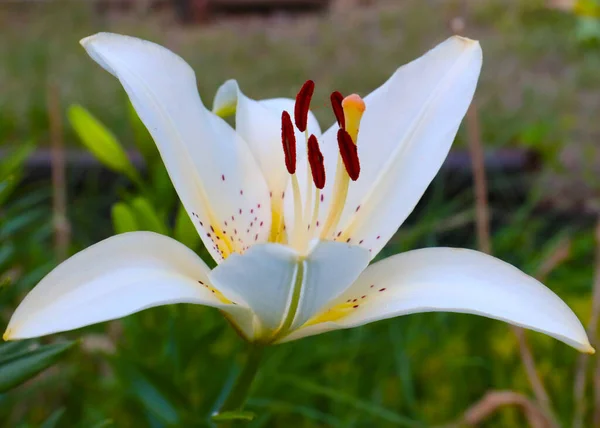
167	366
23	360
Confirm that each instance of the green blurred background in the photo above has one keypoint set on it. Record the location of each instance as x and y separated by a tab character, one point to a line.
538	111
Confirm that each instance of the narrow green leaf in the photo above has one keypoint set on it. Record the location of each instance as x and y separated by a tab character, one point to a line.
14	160
53	419
22	366
99	140
10	349
184	230
342	397
146	216
233	415
154	392
123	218
104	423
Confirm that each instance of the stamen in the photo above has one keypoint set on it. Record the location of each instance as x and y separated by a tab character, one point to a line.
303	104
348	165
336	104
288	140
315	158
354	107
349	154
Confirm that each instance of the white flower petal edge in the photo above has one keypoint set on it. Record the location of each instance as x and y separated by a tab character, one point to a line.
283	288
213	170
114	278
456	280
405	134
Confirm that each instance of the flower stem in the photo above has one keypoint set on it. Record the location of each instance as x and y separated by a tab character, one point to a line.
239	392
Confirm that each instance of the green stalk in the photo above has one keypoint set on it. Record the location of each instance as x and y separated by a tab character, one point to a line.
239	392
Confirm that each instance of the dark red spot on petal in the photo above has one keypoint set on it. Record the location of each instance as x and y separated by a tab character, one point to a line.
303	104
336	103
223	177
349	154
382	289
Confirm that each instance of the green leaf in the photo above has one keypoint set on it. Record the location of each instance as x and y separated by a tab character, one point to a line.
184	230
146	216
344	398
234	415
10	349
123	218
53	419
14	160
17	368
100	141
153	391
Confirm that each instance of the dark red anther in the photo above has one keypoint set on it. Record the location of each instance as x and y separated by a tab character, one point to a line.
348	153
303	104
336	104
315	159
288	140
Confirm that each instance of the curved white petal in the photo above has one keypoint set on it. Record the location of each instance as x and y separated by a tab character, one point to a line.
280	285
114	278
406	132
259	124
212	168
457	280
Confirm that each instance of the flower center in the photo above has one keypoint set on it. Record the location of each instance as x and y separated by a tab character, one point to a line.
348	112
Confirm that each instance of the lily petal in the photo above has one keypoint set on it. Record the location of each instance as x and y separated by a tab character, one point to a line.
212	168
456	280
406	132
259	124
284	288
114	278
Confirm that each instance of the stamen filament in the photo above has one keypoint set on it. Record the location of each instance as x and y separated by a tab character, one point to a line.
340	191
298	220
308	195
315	215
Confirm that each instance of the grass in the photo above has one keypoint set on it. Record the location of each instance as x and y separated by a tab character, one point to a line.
166	366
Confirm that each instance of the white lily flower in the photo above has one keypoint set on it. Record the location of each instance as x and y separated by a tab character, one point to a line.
293	235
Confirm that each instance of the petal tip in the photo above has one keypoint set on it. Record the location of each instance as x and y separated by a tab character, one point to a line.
466	41
8	335
588	349
86	41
